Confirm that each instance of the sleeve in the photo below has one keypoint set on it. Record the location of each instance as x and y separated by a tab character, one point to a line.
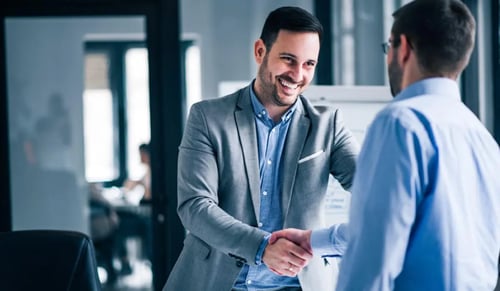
383	205
197	190
330	242
344	152
260	252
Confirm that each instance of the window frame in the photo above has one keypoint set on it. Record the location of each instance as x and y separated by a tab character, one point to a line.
116	51
495	37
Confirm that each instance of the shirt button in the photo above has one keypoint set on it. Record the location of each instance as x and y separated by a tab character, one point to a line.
260	224
264	193
249	282
268	162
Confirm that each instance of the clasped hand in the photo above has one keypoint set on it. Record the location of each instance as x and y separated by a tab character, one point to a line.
288	252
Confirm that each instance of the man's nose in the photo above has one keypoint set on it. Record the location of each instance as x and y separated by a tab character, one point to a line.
297	73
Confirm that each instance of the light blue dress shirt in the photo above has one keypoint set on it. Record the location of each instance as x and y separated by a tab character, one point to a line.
271	139
425	210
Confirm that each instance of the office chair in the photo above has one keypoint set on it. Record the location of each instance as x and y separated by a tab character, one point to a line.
47	260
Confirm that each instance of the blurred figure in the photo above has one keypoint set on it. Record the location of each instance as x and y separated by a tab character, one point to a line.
136	223
104	224
145	180
42	169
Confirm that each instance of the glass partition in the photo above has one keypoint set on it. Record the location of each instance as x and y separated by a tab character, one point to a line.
62	136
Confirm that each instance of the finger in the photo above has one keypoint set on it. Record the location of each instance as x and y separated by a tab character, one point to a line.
293	247
296	265
298	261
274	237
291	271
284	251
277	256
299	252
276	271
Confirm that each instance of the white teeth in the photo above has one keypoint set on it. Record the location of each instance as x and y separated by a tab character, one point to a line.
289	85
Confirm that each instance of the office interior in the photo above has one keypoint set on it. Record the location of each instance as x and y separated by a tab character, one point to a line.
84	83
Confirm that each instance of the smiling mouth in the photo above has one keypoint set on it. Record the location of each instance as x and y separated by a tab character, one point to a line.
288	85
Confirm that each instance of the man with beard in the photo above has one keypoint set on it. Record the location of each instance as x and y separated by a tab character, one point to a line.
425	212
256	161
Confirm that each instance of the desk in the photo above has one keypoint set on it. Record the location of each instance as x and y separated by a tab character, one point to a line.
129	201
134	218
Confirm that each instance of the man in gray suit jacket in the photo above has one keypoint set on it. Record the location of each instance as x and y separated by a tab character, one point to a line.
257	161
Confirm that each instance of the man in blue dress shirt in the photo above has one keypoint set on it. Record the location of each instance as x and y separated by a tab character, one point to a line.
425	212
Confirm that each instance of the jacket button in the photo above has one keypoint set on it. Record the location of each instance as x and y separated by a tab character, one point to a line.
239	264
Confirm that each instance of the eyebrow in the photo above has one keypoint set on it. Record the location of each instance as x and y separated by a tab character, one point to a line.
295	57
288	55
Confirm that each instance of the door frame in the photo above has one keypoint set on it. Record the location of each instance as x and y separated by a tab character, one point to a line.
166	105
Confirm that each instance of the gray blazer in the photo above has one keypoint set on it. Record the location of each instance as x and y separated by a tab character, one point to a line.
218	188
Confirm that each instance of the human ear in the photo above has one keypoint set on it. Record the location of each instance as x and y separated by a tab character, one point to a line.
259	51
404	49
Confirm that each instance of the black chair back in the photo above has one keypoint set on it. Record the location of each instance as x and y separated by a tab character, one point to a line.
47	260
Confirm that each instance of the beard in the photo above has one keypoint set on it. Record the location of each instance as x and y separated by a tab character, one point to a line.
395	73
270	88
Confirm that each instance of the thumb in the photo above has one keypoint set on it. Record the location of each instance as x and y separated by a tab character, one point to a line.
274	237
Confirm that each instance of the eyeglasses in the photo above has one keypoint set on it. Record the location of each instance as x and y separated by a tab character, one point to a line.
386	45
395	43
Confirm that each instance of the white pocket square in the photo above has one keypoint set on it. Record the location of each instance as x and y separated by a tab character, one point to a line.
310	157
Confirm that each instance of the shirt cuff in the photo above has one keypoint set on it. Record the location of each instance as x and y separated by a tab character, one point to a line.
260	251
330	242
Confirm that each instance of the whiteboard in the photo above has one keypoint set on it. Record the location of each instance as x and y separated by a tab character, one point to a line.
358	104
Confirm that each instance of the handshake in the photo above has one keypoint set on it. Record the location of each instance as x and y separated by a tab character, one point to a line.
288	251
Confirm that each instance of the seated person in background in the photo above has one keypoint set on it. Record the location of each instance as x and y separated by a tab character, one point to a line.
104	223
132	223
145	180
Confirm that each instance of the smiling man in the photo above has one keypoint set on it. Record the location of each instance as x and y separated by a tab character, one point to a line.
257	161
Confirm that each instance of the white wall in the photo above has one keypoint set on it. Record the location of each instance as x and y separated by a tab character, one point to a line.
45	57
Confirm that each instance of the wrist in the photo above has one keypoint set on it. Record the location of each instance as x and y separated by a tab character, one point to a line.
260	252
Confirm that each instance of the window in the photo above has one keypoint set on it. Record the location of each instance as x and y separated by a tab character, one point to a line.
358	30
116	110
137	116
116	106
192	63
100	160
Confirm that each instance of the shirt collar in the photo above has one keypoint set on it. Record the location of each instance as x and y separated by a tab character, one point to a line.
431	86
261	112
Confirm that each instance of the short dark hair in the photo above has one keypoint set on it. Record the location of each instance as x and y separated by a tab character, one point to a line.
289	18
441	32
144	147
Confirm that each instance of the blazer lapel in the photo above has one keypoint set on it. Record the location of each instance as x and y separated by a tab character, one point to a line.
295	140
245	124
